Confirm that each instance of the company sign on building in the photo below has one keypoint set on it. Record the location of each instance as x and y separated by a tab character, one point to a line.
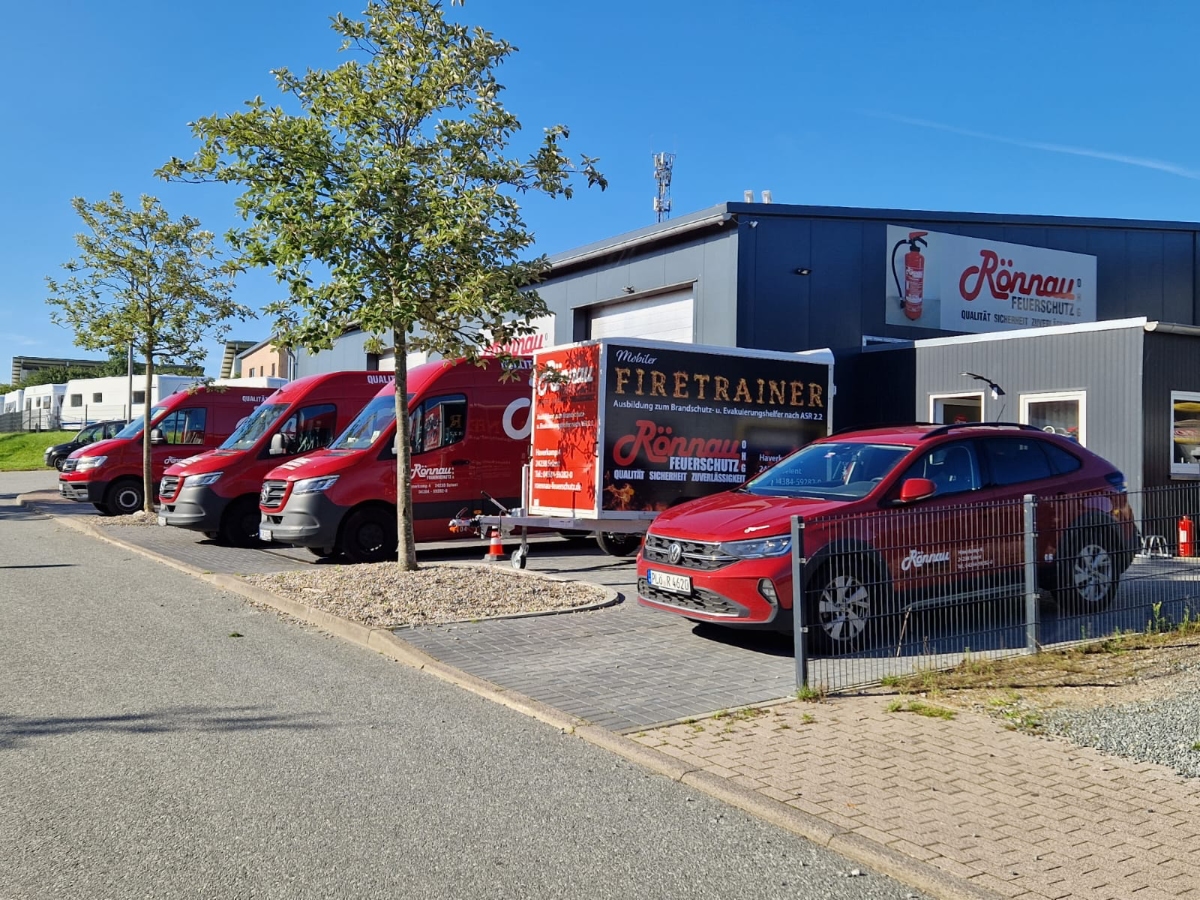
956	283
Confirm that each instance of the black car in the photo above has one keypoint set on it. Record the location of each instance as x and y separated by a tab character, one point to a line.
88	434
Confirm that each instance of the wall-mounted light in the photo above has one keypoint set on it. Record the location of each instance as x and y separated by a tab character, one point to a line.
803	270
630	289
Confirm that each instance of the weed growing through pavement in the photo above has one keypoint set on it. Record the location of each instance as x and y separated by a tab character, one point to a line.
1196	746
921	709
810	694
236	634
807	719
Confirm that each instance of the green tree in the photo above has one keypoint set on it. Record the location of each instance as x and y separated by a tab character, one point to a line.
145	279
396	179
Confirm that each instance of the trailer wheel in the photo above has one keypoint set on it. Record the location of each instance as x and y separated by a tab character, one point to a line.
518	558
369	536
619	543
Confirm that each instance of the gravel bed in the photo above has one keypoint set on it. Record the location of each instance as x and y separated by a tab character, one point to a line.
381	595
1165	730
137	518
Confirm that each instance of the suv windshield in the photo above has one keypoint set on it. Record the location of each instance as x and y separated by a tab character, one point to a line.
829	471
376	417
254	427
134	428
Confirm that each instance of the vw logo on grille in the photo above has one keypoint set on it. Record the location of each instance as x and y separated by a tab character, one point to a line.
675	554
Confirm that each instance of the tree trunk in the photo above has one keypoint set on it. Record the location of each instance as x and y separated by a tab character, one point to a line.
147	468
406	545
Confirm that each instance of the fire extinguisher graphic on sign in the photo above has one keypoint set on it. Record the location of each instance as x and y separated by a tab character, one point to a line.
912	292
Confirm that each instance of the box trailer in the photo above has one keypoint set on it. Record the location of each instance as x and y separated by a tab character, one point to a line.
625	428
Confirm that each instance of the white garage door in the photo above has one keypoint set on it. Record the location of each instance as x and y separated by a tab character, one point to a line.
663	317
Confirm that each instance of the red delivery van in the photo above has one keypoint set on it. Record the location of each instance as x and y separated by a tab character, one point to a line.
470	433
217	492
108	474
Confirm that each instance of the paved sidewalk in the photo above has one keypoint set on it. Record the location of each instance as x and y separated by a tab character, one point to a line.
1019	815
963	808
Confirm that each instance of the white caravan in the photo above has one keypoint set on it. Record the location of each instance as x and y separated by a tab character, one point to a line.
91	400
14	401
43	404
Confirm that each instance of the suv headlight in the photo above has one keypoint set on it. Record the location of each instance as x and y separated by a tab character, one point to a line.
314	485
202	480
759	548
90	462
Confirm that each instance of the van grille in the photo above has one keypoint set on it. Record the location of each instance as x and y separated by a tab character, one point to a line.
69	464
168	486
272	493
700	555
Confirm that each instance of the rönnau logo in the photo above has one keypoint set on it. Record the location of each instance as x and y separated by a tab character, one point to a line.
916	559
420	471
1003	282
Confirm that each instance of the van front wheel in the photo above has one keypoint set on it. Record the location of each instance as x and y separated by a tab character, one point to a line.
239	525
125	497
369	536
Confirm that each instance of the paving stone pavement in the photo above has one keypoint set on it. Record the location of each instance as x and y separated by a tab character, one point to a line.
1017	814
1006	813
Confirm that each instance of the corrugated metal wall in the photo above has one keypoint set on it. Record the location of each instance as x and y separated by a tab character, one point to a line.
1140	271
1105	364
1172	363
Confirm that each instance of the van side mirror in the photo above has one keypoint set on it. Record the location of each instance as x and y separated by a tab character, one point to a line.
157	437
276	448
915	489
396	445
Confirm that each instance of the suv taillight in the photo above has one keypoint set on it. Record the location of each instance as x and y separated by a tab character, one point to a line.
1117	480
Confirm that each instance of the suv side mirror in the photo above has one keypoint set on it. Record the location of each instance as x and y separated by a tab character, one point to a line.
276	448
915	489
157	437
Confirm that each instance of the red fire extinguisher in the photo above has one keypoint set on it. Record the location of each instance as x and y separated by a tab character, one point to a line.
912	294
1187	533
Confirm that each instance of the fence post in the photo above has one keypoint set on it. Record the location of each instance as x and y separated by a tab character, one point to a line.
799	616
1031	591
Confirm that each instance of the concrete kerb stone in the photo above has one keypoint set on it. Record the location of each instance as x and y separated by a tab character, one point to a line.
916	873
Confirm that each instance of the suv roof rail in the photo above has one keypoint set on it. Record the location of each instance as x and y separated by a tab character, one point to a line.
946	429
878	425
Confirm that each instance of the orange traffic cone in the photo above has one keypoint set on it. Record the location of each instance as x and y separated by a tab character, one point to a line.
495	548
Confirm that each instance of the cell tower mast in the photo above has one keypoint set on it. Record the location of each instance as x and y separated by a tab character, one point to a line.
663	163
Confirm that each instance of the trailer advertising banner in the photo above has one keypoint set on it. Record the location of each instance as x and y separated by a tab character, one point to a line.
684	423
566	428
957	283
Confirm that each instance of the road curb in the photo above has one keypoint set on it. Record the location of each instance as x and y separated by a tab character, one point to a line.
879	857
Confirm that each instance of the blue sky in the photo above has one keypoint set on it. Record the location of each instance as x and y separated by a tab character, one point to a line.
1081	108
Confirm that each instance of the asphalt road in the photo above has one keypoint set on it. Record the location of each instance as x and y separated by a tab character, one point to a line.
160	738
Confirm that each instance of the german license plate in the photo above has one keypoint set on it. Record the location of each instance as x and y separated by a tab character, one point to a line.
264	533
162	520
679	584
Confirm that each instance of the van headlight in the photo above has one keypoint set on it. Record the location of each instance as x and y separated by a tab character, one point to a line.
202	480
90	462
314	485
759	548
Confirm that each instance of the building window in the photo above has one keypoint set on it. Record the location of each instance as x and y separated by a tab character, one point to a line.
1061	412
272	370
252	371
139	396
1185	433
97	398
77	399
950	409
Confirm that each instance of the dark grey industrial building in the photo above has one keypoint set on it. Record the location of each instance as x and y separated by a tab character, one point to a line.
1121	372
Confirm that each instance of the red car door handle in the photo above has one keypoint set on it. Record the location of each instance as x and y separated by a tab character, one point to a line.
460	462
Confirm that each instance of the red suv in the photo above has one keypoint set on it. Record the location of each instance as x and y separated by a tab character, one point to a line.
894	518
